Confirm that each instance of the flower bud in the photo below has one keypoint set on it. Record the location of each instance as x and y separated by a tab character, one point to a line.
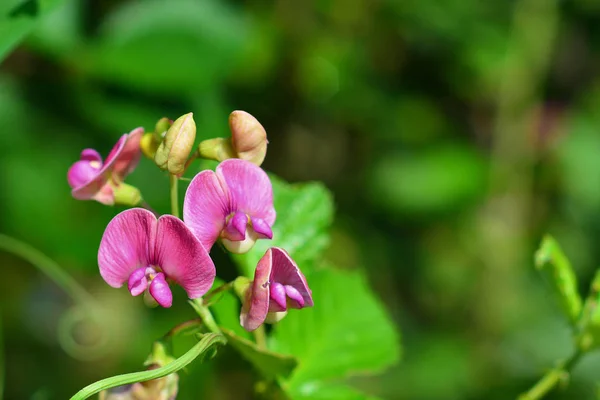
248	141
175	149
149	144
248	137
126	195
161	128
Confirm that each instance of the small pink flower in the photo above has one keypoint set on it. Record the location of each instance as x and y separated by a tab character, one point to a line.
234	203
91	179
148	253
278	284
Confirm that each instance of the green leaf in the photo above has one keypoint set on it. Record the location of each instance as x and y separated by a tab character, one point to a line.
304	212
550	258
227	311
269	363
327	391
175	47
18	18
346	332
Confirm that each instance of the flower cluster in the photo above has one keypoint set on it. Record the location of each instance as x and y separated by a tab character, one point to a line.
233	205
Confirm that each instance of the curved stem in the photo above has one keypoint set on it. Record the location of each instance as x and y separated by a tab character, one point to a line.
205	314
204	344
551	379
173	180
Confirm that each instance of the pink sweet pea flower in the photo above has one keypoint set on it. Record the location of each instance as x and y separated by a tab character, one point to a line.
91	179
234	203
148	253
278	284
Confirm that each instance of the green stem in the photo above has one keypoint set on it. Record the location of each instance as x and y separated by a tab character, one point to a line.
204	344
551	379
182	327
224	287
48	267
173	180
205	314
260	336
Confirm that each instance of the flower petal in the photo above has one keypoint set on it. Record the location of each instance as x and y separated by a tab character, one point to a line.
256	305
278	301
262	229
235	229
137	281
182	257
82	172
205	207
125	245
91	155
286	272
250	189
160	290
129	156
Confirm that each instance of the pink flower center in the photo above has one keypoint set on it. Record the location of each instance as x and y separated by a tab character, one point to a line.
281	295
241	232
152	280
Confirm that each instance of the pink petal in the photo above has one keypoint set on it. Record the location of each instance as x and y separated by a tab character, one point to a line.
182	257
129	156
125	245
235	229
137	281
91	155
159	289
205	207
81	173
286	272
278	298
256	306
263	229
249	187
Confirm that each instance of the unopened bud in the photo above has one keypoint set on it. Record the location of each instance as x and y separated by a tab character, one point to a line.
149	144
175	149
248	137
127	195
218	149
161	128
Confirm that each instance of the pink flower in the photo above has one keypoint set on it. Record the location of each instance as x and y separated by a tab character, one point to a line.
148	253
278	284
234	203
91	179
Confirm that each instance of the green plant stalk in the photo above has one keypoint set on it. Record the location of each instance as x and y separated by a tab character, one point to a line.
551	379
204	344
174	192
50	268
205	315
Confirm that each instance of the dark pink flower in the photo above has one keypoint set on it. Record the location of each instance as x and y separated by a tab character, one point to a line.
148	253
234	203
278	284
92	179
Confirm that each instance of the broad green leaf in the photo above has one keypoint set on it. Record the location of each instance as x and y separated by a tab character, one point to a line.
550	258
304	212
227	311
175	46
270	364
327	391
18	18
346	332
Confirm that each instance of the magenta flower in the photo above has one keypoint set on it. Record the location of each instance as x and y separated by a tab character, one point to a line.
91	179
278	284
234	203
148	253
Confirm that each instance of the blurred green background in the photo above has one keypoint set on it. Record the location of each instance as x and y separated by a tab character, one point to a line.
453	133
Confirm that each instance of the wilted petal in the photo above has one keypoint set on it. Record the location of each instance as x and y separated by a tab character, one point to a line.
262	229
124	245
256	305
182	257
137	281
250	189
160	290
286	272
205	207
235	229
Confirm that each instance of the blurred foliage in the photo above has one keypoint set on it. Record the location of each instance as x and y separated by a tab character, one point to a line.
393	104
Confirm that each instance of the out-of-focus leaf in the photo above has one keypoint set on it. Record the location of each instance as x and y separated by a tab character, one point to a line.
346	332
173	47
435	180
59	33
227	311
327	391
18	18
304	212
270	364
551	258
